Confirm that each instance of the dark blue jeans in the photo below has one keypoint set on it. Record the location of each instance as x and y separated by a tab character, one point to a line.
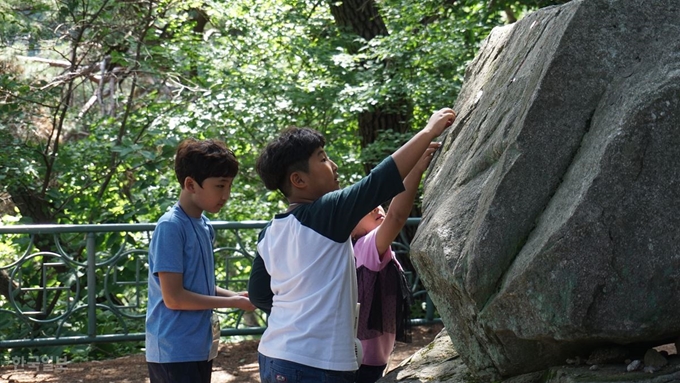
181	372
369	374
282	371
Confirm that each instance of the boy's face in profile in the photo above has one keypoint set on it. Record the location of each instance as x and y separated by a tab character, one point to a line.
322	176
213	194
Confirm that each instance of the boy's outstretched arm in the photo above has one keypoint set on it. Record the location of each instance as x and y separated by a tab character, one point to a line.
407	156
219	291
176	297
401	205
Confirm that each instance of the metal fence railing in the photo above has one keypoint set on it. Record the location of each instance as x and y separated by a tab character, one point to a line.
80	284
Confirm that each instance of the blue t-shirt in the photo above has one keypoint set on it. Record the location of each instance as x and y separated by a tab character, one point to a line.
180	244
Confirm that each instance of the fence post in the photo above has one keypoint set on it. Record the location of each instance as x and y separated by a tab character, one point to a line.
429	315
91	286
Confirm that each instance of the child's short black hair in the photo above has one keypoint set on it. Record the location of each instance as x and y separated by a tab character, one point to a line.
289	153
204	159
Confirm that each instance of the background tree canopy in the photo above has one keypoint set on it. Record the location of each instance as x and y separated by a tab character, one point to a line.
95	94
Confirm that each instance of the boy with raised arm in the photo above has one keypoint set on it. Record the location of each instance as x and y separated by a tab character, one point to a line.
304	272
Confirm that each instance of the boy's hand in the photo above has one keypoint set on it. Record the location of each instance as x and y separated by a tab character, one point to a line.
440	120
242	302
426	158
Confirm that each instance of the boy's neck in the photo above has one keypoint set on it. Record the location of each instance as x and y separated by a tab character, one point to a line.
293	205
188	205
295	201
301	197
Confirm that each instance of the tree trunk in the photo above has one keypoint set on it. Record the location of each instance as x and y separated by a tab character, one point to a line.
362	18
5	283
380	119
30	204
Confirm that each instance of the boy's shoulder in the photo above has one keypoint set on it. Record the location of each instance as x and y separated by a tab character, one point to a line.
171	215
335	214
173	219
309	215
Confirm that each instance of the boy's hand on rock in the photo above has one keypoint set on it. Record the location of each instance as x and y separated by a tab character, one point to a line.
426	158
440	120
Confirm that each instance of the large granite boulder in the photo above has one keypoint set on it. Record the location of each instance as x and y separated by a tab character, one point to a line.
552	211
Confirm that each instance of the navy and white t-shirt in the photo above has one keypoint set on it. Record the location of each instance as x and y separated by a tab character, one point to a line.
305	273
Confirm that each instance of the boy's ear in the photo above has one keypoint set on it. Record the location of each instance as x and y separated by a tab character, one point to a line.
297	180
189	184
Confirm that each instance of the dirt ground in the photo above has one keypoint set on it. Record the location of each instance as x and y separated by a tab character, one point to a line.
236	362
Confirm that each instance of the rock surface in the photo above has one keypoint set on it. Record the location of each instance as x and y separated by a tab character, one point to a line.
439	362
551	225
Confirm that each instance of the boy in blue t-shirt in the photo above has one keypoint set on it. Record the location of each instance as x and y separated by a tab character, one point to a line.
304	272
181	337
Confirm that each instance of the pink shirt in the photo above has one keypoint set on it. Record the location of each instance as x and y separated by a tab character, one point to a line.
376	350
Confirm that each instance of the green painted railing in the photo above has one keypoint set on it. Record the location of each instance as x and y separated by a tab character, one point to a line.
80	284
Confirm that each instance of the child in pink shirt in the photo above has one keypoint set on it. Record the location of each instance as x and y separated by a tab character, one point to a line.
383	292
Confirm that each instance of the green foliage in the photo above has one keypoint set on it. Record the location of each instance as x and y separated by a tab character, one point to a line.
240	71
